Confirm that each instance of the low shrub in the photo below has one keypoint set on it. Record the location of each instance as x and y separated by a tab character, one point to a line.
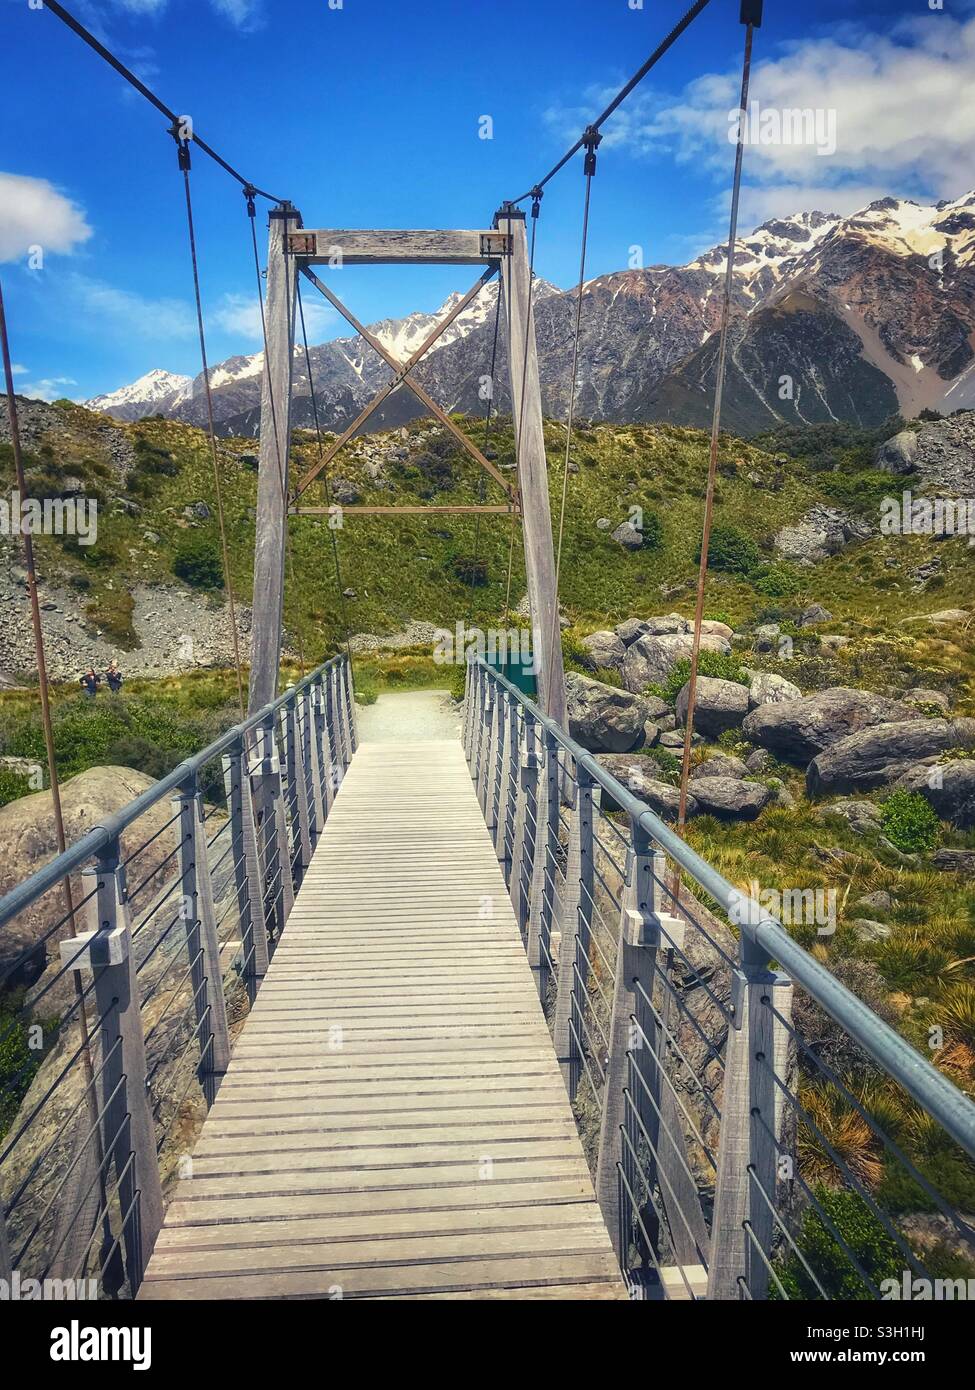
909	822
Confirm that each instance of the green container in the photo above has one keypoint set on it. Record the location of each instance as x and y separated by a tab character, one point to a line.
521	676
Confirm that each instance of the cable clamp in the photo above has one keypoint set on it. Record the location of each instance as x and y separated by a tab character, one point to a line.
250	193
182	145
591	140
536	196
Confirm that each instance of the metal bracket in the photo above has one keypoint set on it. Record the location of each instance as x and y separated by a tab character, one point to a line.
93	948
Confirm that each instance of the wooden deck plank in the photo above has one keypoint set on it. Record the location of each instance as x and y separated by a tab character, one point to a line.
393	1123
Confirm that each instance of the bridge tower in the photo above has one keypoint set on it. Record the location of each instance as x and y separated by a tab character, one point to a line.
499	250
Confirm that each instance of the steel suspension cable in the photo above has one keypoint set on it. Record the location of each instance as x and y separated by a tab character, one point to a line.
622	94
40	660
715	428
84	34
328	491
592	138
488	421
184	165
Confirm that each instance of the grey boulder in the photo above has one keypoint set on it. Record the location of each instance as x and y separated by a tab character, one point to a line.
720	765
730	798
881	755
650	658
766	688
799	729
635	776
718	705
949	787
604	649
602	718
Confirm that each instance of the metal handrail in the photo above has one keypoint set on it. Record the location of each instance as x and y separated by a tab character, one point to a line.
932	1090
96	839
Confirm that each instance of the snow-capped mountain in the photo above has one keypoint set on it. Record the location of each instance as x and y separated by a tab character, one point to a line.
834	318
157	390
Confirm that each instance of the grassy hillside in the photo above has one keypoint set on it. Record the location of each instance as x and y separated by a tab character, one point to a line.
420	567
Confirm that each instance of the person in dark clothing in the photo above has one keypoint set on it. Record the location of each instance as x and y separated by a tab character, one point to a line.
114	677
90	683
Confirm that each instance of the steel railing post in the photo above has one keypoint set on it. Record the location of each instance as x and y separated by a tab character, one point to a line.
128	1131
297	787
510	797
543	905
202	944
248	876
526	855
575	925
310	764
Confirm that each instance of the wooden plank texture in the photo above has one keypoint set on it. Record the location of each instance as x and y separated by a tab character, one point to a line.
362	246
393	1123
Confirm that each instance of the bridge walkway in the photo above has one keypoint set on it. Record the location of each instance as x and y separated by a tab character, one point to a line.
393	1123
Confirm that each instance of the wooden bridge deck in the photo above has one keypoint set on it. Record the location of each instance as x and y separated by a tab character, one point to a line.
393	1123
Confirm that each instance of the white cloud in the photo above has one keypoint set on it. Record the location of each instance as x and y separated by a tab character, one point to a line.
243	14
107	308
34	213
905	121
240	315
48	388
18	370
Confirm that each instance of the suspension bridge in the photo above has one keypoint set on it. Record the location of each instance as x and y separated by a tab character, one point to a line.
435	1018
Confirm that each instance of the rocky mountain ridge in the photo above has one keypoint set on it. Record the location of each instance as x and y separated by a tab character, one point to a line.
834	318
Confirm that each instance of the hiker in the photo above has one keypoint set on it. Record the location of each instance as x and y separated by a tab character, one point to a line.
90	683
114	677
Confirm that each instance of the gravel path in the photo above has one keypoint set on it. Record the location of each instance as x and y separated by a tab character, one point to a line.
409	715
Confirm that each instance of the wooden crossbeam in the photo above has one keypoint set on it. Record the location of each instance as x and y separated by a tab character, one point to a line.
414	386
402	372
385	247
409	510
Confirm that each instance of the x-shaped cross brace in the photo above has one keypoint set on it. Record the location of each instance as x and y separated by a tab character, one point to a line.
401	372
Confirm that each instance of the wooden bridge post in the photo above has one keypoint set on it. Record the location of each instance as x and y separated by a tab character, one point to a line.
757	1050
129	1136
548	832
574	946
247	867
526	407
272	473
202	942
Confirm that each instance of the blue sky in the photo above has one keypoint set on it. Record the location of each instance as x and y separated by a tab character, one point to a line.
368	115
